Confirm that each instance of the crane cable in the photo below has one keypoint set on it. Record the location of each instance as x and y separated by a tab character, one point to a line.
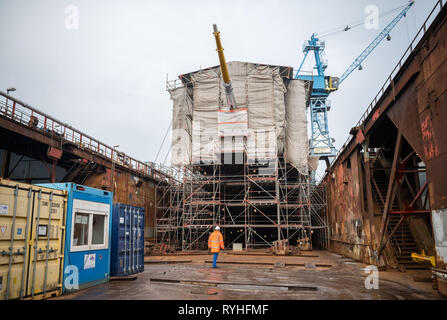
357	23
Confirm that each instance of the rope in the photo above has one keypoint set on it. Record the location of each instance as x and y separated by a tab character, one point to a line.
162	143
167	153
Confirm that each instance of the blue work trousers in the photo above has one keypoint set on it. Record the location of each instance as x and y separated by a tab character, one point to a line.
215	254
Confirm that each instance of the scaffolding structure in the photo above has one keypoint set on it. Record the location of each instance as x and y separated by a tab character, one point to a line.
257	189
254	203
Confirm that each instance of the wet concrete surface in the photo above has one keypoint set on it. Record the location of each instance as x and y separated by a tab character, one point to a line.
197	280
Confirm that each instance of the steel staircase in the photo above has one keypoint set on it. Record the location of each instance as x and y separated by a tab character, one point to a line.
80	171
402	241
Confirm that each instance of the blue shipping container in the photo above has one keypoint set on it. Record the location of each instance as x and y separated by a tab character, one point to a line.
127	256
87	236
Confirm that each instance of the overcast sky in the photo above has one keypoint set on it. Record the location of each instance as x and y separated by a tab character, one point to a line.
107	78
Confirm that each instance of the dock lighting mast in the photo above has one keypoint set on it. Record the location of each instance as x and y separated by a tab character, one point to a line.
321	144
231	102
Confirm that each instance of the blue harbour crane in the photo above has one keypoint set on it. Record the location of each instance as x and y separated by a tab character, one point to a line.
321	144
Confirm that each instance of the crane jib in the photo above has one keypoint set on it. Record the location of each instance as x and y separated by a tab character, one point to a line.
384	34
321	144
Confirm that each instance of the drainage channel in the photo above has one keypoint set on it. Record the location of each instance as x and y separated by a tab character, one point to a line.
223	284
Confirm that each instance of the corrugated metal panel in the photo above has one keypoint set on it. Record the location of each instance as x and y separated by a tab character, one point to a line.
32	223
439	218
127	256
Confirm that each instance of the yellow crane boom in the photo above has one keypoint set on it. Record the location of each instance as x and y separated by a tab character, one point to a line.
231	102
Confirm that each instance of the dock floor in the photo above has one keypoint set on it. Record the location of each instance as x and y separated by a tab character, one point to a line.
323	275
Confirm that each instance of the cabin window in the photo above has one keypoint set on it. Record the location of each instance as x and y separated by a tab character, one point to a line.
98	229
90	225
80	229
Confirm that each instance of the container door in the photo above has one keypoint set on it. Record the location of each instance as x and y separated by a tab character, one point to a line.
133	237
137	240
140	240
143	218
15	207
19	207
130	211
126	240
122	240
45	246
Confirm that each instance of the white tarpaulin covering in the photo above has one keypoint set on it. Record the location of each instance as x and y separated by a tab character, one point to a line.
181	127
232	123
297	147
263	107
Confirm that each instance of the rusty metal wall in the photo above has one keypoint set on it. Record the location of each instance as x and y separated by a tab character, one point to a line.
350	225
346	214
421	117
416	103
129	189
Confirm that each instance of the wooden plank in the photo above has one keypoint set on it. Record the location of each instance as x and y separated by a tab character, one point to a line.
123	278
292	287
287	264
271	255
166	261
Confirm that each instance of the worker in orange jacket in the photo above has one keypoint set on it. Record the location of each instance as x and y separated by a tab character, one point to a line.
215	243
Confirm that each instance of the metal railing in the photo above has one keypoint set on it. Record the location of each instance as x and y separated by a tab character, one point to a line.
173	84
431	17
20	112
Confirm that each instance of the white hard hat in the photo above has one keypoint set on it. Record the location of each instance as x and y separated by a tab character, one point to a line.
217	228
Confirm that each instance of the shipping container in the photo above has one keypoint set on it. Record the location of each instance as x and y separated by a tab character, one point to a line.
32	233
127	256
88	237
